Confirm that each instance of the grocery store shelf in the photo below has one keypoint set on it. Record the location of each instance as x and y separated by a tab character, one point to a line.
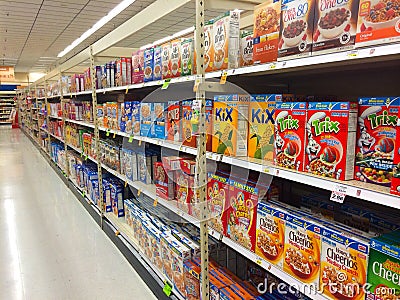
54	117
82	123
56	137
86	157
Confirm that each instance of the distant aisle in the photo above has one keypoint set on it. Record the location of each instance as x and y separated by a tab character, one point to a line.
50	246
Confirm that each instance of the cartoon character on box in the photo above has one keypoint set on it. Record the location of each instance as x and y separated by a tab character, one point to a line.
376	137
217	187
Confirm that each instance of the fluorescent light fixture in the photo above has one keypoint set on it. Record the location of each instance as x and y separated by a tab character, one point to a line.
168	38
104	20
33	76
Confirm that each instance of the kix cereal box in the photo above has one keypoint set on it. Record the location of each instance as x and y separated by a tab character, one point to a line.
290	134
302	249
217	192
376	136
241	213
270	236
174	124
230	124
344	261
261	126
226	35
296	28
330	140
166	60
378	22
335	26
384	268
267	18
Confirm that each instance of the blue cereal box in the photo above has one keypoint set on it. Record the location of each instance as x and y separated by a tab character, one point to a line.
147	119
160	111
135	108
157	74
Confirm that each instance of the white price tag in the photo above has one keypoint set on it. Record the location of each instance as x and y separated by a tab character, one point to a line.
339	193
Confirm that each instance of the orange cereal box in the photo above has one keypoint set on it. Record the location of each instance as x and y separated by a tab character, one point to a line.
261	126
378	22
344	260
270	236
230	124
302	249
267	18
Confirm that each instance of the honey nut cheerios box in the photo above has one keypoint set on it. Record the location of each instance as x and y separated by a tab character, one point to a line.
335	26
290	134
344	259
330	139
261	126
378	22
217	191
270	236
376	136
267	18
230	126
302	250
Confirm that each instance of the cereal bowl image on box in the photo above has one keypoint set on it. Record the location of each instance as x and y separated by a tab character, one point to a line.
334	22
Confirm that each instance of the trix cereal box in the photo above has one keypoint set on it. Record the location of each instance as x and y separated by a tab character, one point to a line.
267	17
261	123
331	134
290	133
335	25
242	214
302	249
270	236
230	124
376	135
378	22
296	28
174	124
384	269
217	191
226	35
344	261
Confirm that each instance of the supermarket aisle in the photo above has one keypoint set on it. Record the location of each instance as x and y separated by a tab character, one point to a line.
50	247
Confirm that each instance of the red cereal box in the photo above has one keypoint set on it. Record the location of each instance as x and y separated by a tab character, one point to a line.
290	133
395	187
331	135
241	213
376	135
161	180
217	194
137	66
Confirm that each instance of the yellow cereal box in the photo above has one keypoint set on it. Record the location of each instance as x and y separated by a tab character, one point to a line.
261	126
302	251
230	124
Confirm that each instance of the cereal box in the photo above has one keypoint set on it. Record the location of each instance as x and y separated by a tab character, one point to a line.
270	236
290	134
335	26
174	124
179	254
137	66
246	48
331	135
302	249
267	18
147	119
176	58
190	123
344	261
148	64
128	70
241	213
157	67
160	112
191	279
166	60
135	107
230	124
378	22
118	73
125	117
296	29
187	56
112	110
217	191
184	191
376	135
100	114
208	49
395	185
261	126
226	36
144	168
155	247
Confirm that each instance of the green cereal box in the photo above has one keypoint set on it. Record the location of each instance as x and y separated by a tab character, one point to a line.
187	56
384	268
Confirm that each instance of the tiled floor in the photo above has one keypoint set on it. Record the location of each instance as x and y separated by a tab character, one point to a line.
50	248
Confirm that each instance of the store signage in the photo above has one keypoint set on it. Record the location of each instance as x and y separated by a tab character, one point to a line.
7	74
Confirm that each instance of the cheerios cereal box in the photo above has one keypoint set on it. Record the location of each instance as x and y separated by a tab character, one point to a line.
376	136
261	126
296	29
241	213
344	260
290	134
335	26
267	18
230	124
270	236
378	22
217	192
330	140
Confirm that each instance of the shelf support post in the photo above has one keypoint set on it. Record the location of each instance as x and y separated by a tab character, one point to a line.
47	118
63	114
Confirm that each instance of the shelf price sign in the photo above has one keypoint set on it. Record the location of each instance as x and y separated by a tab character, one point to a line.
339	193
